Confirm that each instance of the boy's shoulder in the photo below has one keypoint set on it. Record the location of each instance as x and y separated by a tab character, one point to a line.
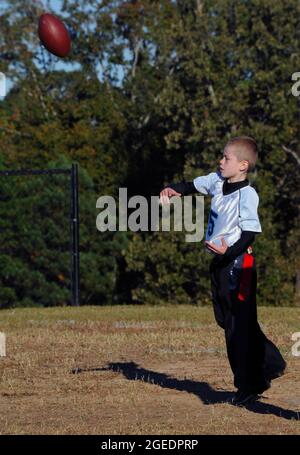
217	176
249	194
207	183
251	189
213	176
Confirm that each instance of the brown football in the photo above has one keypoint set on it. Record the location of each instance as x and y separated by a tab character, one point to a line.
54	35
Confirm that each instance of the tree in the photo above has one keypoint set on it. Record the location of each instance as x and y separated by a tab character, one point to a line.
152	93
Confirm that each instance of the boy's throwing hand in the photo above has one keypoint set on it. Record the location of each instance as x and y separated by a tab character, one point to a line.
166	194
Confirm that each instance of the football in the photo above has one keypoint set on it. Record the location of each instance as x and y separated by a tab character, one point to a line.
54	35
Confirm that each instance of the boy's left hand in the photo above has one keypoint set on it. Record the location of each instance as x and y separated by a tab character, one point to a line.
215	248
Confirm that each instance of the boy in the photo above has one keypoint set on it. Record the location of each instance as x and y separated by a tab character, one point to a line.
232	226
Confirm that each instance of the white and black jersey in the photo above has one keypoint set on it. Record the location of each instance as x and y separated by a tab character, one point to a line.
230	214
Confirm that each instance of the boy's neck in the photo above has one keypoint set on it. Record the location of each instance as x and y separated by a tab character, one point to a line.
237	178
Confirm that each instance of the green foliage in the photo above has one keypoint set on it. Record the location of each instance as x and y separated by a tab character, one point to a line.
168	270
35	254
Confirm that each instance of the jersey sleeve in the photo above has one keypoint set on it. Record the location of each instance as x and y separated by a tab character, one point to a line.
248	216
184	188
205	183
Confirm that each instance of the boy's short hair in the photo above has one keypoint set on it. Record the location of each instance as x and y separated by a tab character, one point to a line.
246	149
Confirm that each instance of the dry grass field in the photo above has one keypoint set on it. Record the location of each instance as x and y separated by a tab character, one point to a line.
136	370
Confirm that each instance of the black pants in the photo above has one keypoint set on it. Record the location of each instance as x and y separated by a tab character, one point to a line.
253	358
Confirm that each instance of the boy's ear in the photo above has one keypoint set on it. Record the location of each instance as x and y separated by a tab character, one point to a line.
245	165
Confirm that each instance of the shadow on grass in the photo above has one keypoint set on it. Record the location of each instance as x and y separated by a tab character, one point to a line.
202	390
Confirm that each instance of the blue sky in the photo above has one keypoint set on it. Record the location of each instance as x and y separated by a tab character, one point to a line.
54	5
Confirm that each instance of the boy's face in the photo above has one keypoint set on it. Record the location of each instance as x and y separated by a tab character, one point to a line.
230	166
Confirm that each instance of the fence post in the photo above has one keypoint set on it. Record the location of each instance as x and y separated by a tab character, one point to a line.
75	275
